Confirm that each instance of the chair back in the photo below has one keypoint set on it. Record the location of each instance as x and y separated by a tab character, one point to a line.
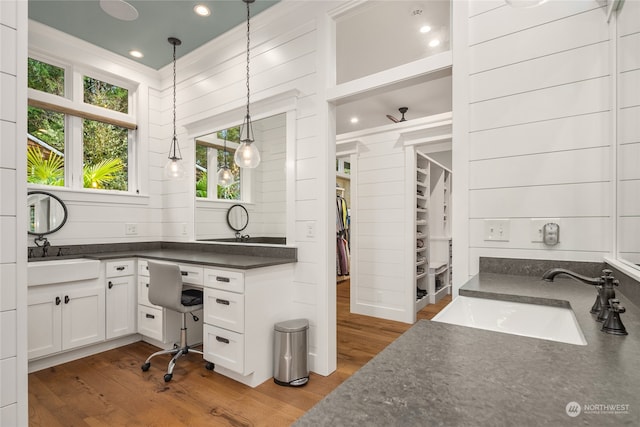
165	285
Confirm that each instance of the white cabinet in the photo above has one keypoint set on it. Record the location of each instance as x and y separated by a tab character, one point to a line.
65	316
121	298
160	325
240	310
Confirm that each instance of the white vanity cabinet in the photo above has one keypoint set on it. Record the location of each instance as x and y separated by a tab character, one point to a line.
240	310
65	316
121	298
161	326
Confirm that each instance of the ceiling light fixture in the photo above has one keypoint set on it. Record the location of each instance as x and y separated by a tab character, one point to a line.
174	168
136	53
354	120
201	10
434	43
425	29
247	155
119	9
225	177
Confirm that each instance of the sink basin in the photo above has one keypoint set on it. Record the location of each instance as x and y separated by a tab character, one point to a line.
61	270
530	320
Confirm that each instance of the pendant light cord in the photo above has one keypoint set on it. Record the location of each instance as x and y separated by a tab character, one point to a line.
174	142
248	45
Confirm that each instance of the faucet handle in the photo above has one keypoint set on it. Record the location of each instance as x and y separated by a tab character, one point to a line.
614	303
613	324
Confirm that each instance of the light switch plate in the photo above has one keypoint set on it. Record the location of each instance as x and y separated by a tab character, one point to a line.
131	229
497	230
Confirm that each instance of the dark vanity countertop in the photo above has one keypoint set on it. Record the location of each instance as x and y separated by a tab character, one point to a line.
211	259
446	375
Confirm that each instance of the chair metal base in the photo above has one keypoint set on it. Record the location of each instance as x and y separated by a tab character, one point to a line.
182	350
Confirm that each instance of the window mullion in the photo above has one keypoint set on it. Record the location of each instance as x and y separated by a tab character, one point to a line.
75	152
212	173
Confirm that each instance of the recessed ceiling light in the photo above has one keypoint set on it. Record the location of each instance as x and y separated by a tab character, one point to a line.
354	120
434	43
136	53
425	29
119	9
202	10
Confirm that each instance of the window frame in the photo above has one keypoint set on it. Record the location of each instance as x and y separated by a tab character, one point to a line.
73	102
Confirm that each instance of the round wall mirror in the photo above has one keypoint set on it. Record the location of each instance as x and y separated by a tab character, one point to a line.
47	213
237	217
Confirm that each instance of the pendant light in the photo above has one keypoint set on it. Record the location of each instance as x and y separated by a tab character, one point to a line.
247	154
174	168
225	177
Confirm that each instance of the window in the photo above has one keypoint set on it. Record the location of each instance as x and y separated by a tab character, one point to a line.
210	155
82	140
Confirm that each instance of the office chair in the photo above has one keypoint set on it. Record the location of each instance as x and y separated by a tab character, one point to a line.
165	290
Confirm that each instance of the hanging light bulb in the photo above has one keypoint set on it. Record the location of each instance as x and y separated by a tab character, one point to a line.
225	177
174	169
247	155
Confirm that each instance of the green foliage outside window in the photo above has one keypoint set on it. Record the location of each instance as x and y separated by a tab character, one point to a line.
104	146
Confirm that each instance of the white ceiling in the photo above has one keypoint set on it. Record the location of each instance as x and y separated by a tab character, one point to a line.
381	35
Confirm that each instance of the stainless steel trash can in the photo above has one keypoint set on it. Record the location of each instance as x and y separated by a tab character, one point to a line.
290	366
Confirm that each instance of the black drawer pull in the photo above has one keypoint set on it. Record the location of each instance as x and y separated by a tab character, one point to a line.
121	268
150	316
66	299
222	301
220	339
184	273
110	284
223	279
58	300
146	284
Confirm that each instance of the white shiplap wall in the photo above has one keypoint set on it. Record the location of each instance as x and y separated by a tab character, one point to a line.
629	130
289	44
13	354
538	128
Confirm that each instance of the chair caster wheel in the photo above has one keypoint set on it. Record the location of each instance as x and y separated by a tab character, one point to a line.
145	367
167	377
209	366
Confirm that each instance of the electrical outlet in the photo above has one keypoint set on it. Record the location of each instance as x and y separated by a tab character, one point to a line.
183	228
311	229
497	230
536	228
131	229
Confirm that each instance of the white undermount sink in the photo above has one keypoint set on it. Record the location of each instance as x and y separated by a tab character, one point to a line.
531	320
61	270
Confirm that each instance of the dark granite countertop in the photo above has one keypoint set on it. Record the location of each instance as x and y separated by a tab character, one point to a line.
210	259
446	375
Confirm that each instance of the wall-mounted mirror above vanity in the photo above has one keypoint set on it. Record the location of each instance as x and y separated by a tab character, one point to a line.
262	191
628	133
47	213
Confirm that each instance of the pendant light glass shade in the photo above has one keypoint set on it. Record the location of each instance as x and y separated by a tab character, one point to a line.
225	176
247	155
174	169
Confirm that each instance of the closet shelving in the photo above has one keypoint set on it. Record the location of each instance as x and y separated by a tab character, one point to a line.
432	251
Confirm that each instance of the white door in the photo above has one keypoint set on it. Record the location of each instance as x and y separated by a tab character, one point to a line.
83	319
121	306
43	322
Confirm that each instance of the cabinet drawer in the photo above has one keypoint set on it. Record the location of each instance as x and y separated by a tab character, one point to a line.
191	274
150	322
120	268
143	268
224	279
224	309
143	292
224	348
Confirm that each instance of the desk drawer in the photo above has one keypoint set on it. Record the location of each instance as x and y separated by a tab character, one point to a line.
224	348
224	279
143	268
191	274
224	309
150	322
120	268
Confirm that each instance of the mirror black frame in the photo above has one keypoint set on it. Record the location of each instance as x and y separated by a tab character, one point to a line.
229	221
64	208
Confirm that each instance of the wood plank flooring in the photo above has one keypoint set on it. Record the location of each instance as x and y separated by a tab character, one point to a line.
109	389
